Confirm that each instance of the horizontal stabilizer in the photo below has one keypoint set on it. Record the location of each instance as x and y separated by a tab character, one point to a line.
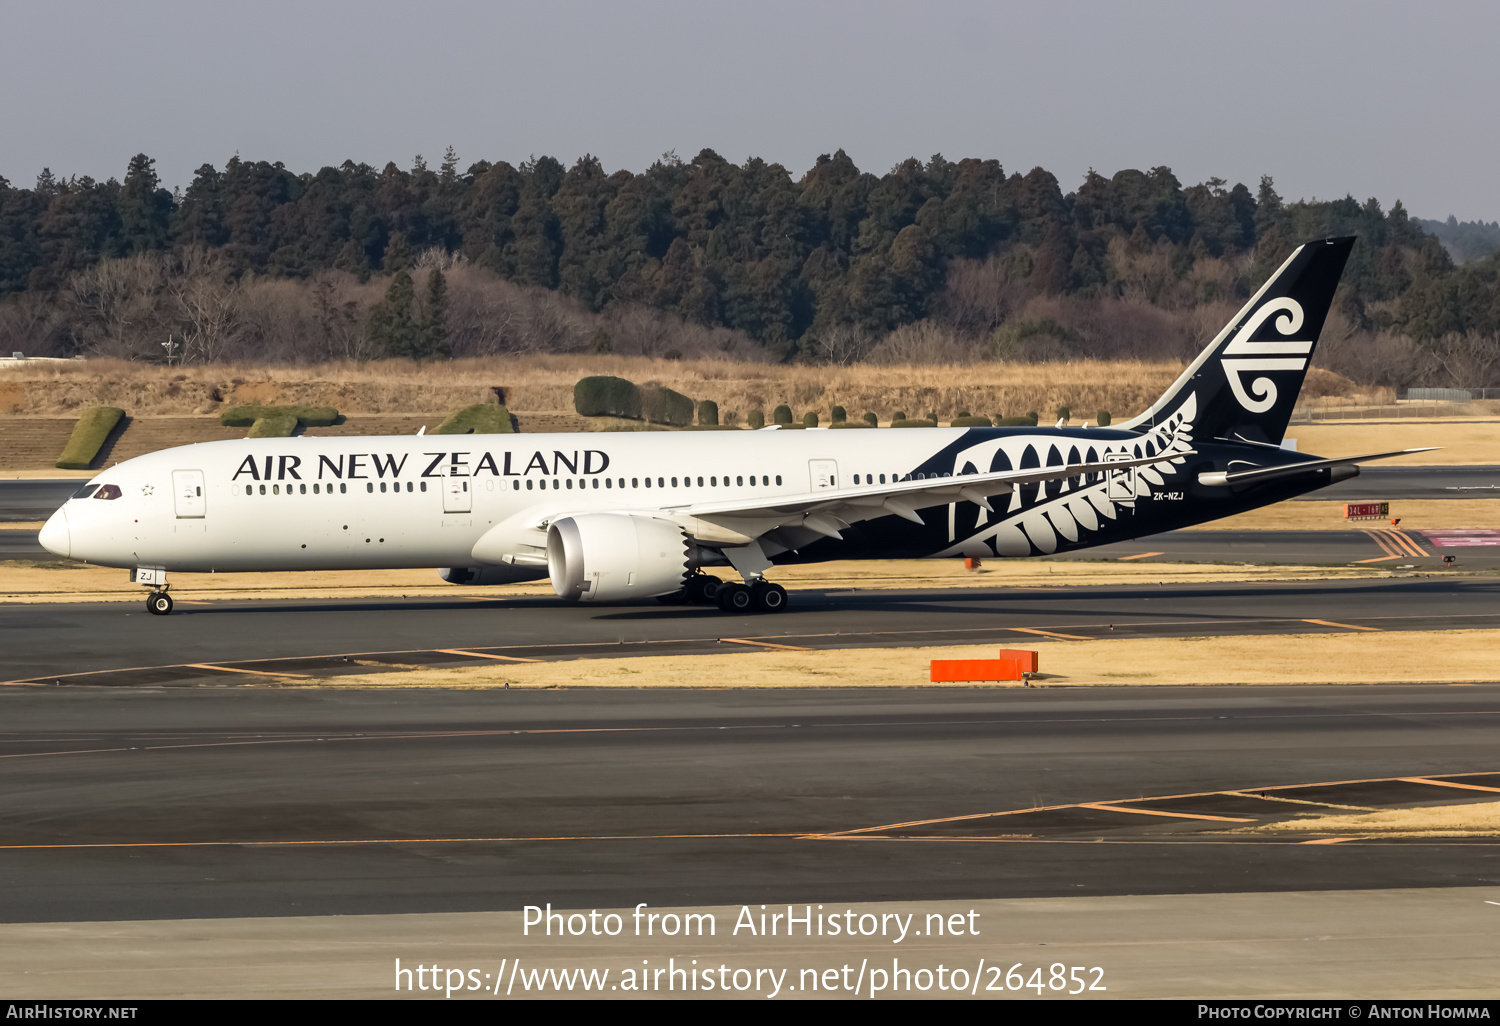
1260	475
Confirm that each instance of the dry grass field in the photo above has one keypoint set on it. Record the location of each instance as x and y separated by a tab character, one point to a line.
542	384
1476	819
1353	658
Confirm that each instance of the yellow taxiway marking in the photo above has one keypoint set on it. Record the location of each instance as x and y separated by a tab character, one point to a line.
487	655
1330	840
1140	555
764	644
1105	807
1447	783
1050	634
1377	559
1346	626
254	673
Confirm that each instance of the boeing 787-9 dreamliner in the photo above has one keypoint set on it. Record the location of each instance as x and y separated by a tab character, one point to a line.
626	517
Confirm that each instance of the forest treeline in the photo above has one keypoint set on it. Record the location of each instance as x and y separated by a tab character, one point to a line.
931	262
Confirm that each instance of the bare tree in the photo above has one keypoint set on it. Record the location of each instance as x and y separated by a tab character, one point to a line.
207	304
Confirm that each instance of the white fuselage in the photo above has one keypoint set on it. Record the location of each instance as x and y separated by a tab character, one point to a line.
312	503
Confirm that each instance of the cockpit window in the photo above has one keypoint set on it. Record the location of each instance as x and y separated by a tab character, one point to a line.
85	491
108	492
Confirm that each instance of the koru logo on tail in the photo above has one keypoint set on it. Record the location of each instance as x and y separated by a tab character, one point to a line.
1265	355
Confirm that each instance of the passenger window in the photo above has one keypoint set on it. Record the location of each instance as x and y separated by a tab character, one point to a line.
714	481
778	479
740	481
570	484
635	482
301	489
262	489
700	482
609	482
674	482
882	479
528	486
276	489
343	488
382	486
515	486
315	489
596	484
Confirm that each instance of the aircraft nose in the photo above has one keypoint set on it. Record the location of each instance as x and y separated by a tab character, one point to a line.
54	536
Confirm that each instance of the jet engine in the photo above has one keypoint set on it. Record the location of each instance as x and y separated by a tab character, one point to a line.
614	557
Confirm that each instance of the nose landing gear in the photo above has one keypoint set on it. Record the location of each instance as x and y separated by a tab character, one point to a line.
158	603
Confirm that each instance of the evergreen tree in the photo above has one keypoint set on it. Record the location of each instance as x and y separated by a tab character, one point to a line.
392	326
434	343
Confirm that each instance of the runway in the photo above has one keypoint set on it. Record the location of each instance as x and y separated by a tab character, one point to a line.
151	804
217	642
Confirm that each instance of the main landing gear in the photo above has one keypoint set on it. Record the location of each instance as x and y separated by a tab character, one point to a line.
158	603
759	596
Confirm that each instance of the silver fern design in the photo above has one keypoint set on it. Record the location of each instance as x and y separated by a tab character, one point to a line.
1034	521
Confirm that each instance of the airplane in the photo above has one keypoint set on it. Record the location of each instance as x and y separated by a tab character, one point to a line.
631	516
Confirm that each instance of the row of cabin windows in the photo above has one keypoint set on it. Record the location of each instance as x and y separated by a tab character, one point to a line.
317	489
557	483
645	482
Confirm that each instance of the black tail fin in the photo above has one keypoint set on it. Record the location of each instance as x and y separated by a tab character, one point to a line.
1244	385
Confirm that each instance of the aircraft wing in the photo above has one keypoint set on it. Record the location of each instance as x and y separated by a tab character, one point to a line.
827	510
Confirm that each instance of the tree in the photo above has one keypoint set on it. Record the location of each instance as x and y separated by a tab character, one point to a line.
433	334
392	326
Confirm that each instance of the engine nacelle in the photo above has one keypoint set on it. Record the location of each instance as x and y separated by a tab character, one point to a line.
502	574
615	557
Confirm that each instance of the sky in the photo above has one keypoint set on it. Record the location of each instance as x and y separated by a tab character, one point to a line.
1390	100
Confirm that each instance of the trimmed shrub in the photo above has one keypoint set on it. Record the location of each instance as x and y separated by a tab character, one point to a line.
840	414
708	413
850	424
932	416
89	436
964	413
661	405
898	415
1015	422
871	419
276	426
307	416
756	420
1031	416
605	396
1064	414
810	419
1104	418
483	419
964	421
782	414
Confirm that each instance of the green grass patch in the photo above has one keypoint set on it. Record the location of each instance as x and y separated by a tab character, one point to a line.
278	426
483	419
307	416
89	436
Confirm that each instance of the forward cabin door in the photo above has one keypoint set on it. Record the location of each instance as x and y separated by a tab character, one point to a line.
824	474
187	492
456	495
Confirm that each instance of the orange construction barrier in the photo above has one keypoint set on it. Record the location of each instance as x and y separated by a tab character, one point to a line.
1025	656
1013	664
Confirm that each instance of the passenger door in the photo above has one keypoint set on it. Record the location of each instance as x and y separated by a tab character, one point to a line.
1121	482
187	494
456	495
824	474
